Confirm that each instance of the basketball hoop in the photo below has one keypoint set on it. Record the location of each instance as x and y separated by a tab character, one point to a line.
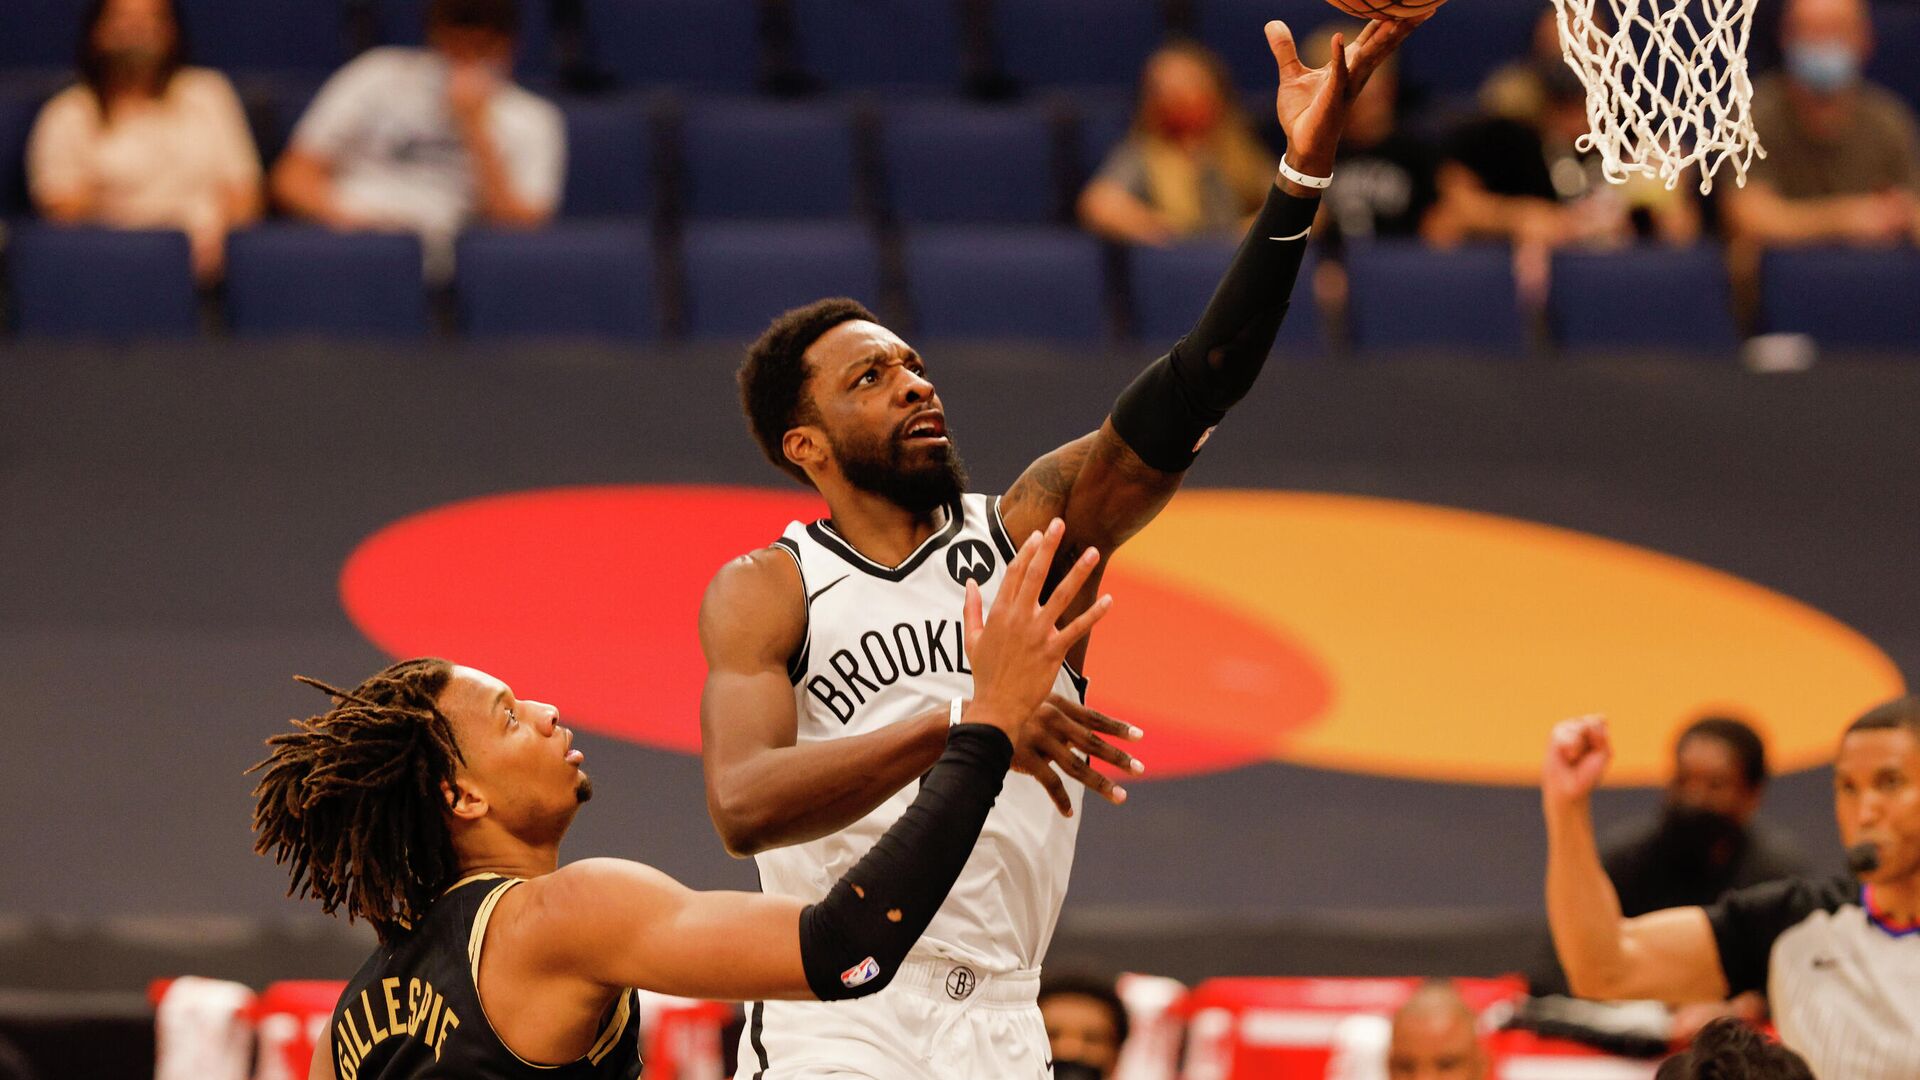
1666	84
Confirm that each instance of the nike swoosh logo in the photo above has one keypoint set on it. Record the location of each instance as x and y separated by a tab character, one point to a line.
828	585
1301	235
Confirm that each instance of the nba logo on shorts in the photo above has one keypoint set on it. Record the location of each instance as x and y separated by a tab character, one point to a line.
860	974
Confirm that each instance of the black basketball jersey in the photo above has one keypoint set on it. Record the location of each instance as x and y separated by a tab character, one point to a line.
413	1010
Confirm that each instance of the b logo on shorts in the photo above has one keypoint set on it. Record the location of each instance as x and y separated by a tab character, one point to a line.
960	982
970	560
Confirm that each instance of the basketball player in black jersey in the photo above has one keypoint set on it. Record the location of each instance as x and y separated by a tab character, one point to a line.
431	802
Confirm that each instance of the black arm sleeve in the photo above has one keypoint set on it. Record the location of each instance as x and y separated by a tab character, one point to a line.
851	943
1746	922
1170	408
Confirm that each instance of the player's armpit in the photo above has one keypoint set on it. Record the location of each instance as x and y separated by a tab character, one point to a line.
1666	955
617	924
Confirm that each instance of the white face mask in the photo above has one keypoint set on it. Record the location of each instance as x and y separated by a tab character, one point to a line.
1824	66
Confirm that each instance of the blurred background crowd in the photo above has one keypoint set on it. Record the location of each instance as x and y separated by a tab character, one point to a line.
916	153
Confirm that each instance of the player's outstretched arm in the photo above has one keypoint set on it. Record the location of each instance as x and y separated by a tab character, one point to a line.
619	924
1110	484
1666	955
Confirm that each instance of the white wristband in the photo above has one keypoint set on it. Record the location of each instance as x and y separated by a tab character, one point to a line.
954	710
1298	177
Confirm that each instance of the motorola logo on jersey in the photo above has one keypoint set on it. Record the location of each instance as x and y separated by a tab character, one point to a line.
1331	631
970	560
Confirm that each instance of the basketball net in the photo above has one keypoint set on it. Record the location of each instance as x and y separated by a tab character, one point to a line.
1666	84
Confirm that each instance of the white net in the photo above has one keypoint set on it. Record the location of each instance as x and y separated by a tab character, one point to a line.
1667	85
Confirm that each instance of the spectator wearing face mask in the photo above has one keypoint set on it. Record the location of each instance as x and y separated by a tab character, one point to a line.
1086	1026
144	141
429	140
1190	165
1843	156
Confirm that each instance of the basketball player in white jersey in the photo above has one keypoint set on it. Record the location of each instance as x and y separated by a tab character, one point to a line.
835	661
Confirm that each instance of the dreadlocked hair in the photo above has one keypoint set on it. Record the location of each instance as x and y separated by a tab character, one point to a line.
351	798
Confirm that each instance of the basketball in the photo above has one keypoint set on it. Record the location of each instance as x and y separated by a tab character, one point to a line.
1386	9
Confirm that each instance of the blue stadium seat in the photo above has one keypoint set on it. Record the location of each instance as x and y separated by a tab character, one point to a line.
1472	41
1405	296
274	104
1236	29
568	280
102	283
40	33
749	159
404	22
712	44
739	275
1643	297
951	162
1895	62
1006	282
292	279
1076	42
1843	297
893	43
19	107
267	35
1170	287
609	157
1101	122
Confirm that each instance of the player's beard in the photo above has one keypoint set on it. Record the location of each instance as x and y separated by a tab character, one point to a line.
583	788
878	466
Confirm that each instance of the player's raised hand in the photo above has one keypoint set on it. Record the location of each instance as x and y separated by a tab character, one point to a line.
1312	103
1578	753
1017	648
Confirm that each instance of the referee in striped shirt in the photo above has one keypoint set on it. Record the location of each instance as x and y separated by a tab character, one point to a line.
1838	957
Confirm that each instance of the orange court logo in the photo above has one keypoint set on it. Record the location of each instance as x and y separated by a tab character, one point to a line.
1334	631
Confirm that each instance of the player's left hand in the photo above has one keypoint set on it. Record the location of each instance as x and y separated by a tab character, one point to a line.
1065	733
1313	102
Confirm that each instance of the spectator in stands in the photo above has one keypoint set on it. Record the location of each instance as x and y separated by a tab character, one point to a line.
1191	163
1843	156
1086	1025
143	141
1730	1050
1382	176
1435	1037
428	140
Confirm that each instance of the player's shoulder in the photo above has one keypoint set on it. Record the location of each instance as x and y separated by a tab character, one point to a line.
1787	900
761	589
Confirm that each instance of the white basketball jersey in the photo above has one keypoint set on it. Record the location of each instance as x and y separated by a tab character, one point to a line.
885	644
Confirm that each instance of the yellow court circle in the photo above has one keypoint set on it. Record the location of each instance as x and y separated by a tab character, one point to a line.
1453	640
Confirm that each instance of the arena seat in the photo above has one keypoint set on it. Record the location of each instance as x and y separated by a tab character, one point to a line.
739	275
1076	42
19	106
1170	287
274	104
713	44
1037	282
1843	296
954	162
1895	62
40	33
292	279
101	283
1404	296
609	157
568	280
1643	297
890	43
1236	30
404	22
267	35
747	159
1101	121
1468	46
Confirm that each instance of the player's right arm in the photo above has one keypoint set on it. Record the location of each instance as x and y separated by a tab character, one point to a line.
1668	955
619	924
763	790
